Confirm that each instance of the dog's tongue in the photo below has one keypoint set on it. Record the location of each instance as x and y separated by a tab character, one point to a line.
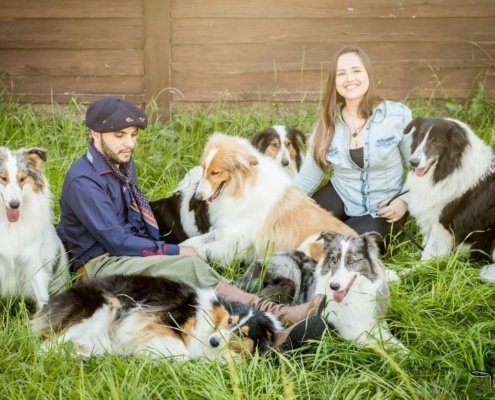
12	215
420	171
339	296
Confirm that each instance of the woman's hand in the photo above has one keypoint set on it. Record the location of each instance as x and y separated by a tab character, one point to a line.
394	211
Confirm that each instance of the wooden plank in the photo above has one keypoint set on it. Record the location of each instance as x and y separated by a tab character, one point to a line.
72	33
291	85
157	55
235	58
72	62
67	98
262	30
331	9
71	9
73	85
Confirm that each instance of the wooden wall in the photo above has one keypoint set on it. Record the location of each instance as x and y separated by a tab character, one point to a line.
188	52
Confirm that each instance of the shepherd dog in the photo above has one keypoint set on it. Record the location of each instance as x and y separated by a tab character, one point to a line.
33	261
181	215
452	189
285	145
154	317
254	206
348	270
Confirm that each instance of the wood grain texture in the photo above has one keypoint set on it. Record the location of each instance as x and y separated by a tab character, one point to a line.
179	53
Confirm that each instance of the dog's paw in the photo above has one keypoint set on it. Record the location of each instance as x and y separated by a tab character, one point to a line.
391	275
487	273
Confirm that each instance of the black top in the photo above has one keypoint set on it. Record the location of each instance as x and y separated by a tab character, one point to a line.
357	155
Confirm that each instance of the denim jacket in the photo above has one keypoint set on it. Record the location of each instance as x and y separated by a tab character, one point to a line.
386	151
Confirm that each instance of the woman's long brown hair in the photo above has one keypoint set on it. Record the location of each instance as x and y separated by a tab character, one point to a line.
332	102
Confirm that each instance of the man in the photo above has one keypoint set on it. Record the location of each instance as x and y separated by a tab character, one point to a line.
109	228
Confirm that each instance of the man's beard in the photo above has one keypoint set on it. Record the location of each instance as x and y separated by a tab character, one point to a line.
110	154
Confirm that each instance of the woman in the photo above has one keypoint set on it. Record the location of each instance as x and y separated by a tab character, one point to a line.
361	137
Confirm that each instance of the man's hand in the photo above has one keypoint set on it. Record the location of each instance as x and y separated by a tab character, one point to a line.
188	251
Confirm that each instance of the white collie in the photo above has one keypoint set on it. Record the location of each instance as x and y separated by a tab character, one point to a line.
254	205
151	316
452	186
31	254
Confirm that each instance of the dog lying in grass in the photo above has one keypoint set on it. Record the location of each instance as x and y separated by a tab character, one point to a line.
348	271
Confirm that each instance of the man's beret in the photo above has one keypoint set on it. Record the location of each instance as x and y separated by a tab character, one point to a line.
112	114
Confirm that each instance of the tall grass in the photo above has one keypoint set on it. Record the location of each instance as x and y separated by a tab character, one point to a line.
440	311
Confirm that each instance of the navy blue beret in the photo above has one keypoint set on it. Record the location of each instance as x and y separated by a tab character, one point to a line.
112	114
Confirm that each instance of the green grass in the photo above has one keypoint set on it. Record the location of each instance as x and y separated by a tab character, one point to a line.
440	311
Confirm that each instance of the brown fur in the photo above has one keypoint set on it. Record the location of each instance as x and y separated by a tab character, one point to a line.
227	165
296	218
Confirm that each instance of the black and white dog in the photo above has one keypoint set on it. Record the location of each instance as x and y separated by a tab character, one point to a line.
348	271
181	216
154	317
452	189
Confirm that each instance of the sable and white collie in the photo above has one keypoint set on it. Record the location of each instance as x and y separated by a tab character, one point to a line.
151	316
348	271
182	215
31	254
284	145
254	206
452	189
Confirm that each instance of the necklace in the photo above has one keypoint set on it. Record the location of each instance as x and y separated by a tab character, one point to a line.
354	131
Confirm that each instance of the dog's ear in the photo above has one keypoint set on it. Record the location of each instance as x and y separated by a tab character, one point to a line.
316	250
298	135
327	236
258	138
373	241
413	126
36	155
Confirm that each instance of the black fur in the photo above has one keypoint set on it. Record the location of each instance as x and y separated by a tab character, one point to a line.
167	214
260	328
471	218
177	301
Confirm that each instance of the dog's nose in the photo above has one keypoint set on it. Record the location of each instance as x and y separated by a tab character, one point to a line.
214	342
334	286
285	163
14	205
414	162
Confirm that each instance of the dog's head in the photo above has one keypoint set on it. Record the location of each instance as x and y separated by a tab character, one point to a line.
437	146
252	330
285	145
345	260
229	163
21	173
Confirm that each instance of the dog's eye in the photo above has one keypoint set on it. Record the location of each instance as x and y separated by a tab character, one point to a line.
288	145
229	321
3	178
214	173
22	179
